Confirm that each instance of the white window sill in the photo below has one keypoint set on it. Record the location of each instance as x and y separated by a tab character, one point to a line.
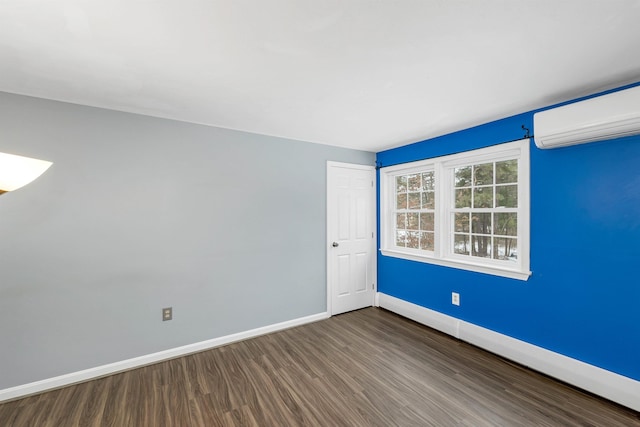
478	268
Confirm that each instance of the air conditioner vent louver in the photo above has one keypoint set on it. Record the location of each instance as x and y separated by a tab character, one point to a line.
605	117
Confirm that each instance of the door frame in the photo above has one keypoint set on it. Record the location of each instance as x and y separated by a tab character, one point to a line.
374	221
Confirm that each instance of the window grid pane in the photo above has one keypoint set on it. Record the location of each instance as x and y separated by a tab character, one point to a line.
506	249
484	218
414	211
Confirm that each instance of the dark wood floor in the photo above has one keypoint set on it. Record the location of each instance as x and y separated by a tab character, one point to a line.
365	368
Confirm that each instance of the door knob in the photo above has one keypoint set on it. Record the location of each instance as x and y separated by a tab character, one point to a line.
335	244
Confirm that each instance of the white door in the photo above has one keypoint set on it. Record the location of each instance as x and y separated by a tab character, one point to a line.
351	242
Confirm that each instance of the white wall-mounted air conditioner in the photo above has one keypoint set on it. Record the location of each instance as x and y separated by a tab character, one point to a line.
605	117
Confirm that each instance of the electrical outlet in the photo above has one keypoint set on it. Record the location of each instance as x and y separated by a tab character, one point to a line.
455	298
167	313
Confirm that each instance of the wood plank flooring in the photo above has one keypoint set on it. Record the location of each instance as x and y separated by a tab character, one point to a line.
364	368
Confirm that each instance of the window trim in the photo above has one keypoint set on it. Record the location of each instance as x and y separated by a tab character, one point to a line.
443	166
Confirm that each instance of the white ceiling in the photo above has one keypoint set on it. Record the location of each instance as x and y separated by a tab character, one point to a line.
366	74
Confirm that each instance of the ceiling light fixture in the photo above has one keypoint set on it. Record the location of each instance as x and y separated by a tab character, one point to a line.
17	171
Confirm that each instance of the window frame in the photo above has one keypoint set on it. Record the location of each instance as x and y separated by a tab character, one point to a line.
443	168
419	211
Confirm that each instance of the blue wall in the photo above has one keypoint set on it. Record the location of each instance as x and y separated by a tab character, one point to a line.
583	298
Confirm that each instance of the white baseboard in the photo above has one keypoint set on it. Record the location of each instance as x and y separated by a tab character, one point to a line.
137	362
607	384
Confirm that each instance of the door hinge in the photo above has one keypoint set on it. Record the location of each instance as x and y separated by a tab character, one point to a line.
372	183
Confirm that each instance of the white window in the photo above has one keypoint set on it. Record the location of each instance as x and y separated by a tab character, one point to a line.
468	210
415	210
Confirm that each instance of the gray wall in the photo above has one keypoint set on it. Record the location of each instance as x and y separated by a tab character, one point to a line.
139	213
